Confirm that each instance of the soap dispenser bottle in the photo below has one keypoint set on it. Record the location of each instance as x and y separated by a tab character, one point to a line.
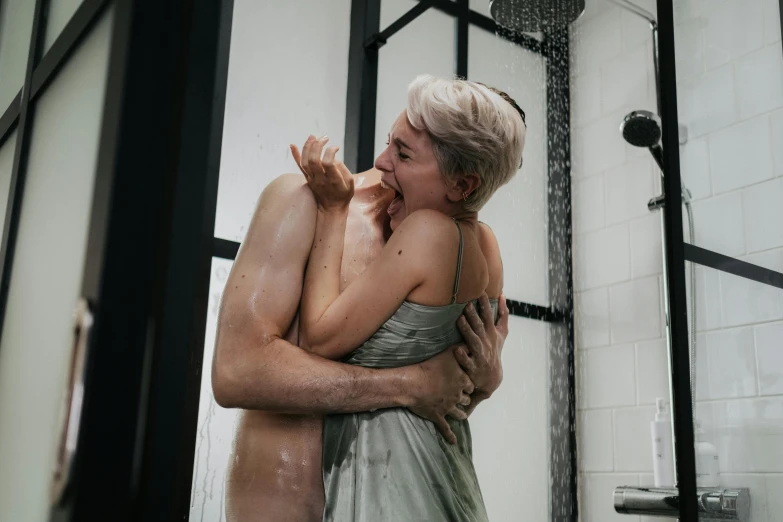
707	461
663	459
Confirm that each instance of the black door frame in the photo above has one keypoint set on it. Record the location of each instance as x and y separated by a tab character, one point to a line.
149	250
677	253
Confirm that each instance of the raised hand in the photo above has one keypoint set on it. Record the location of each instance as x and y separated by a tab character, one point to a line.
328	178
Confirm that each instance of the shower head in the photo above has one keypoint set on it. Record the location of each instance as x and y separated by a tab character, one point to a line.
535	15
641	129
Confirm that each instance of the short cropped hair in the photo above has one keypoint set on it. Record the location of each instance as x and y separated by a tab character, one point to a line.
473	128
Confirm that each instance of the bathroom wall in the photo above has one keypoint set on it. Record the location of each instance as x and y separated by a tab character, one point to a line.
730	98
287	79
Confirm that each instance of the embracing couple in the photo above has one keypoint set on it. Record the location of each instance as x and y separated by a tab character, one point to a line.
390	273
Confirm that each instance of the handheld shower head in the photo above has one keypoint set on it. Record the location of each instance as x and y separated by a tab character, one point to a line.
535	15
641	129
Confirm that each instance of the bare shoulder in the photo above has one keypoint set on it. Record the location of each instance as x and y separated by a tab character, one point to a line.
285	203
428	231
428	224
488	243
286	189
266	278
280	233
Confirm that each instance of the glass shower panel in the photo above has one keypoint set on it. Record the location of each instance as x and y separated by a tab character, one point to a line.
47	272
216	425
57	17
620	332
16	25
739	382
730	100
518	212
513	464
425	46
7	150
511	430
287	78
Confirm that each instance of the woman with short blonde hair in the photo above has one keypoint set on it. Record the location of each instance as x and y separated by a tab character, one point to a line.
448	152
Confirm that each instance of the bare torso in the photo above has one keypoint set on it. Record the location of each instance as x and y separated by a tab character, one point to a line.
275	469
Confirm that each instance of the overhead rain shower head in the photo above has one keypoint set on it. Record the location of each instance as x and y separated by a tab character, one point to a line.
641	129
530	16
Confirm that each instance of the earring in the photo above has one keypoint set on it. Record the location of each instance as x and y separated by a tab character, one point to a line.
465	196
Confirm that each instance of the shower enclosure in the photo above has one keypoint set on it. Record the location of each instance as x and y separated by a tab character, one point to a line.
615	302
381	46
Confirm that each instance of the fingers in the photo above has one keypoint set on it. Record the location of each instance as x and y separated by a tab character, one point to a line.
297	158
474	321
445	430
305	156
487	317
502	325
311	155
347	176
465	400
471	339
328	163
468	386
465	360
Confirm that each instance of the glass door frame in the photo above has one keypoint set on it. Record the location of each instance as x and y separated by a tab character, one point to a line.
146	274
677	253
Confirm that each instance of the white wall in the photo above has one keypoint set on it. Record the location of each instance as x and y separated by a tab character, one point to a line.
287	79
730	97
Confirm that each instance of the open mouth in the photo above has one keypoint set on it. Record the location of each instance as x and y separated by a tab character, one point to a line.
398	201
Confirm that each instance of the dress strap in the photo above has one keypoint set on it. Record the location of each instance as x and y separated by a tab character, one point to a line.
459	264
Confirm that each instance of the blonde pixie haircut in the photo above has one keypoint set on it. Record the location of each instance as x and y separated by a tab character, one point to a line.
473	128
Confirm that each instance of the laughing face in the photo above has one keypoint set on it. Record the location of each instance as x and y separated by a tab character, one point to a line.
410	169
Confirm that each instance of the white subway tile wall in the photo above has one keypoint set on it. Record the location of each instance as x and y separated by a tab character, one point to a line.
628	187
592	318
719	224
608	377
731	30
771	26
646	246
759	78
651	369
730	99
695	167
632	442
731	364
602	257
741	155
763	208
635	310
769	353
588	198
776	121
597	435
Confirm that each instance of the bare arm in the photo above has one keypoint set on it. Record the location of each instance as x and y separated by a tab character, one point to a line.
335	323
255	368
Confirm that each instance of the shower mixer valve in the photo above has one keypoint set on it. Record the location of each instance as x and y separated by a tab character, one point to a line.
715	504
